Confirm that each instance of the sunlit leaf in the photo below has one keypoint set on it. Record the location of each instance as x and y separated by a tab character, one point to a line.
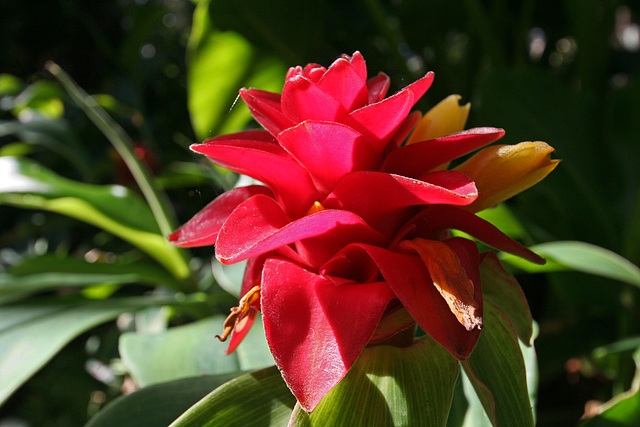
390	386
257	399
157	405
30	335
49	272
115	209
220	63
497	371
190	350
583	257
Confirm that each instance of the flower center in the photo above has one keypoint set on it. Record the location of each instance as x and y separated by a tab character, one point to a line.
315	208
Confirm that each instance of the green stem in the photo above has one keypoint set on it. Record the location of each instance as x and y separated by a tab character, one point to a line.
123	144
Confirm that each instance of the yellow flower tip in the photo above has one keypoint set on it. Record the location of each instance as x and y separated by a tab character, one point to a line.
502	171
315	208
445	118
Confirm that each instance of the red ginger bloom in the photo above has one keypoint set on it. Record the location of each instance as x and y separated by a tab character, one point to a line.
347	240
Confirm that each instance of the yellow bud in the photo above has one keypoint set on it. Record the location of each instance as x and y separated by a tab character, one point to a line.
502	171
447	117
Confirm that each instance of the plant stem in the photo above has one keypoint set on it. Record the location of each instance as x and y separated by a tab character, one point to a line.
123	144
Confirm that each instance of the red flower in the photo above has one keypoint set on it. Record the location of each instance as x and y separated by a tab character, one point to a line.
347	240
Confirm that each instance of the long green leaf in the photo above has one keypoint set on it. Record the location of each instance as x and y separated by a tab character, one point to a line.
583	257
113	208
157	405
497	371
30	335
190	350
390	386
257	399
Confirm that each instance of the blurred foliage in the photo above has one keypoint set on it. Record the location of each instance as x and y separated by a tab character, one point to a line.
168	73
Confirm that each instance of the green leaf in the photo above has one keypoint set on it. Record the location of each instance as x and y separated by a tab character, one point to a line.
502	289
624	409
390	386
49	272
502	217
190	350
257	399
157	405
115	209
220	63
497	371
582	257
30	335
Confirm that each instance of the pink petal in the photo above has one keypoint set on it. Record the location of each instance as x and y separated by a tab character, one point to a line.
436	219
358	64
416	159
267	162
378	87
344	83
316	329
304	100
328	150
379	121
259	225
203	228
379	197
409	280
265	108
241	330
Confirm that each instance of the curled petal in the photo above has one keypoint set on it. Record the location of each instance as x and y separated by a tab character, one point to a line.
343	81
449	278
502	171
431	222
316	329
303	99
328	150
445	118
267	162
416	159
379	197
203	228
259	225
409	279
378	121
378	87
265	108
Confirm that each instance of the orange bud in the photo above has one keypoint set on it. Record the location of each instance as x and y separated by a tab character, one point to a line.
502	171
447	117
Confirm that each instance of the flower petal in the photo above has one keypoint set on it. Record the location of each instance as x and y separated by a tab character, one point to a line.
304	100
265	108
316	329
259	225
416	159
345	84
378	121
502	171
410	281
379	197
431	222
328	150
449	278
378	87
203	228
445	118
267	162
